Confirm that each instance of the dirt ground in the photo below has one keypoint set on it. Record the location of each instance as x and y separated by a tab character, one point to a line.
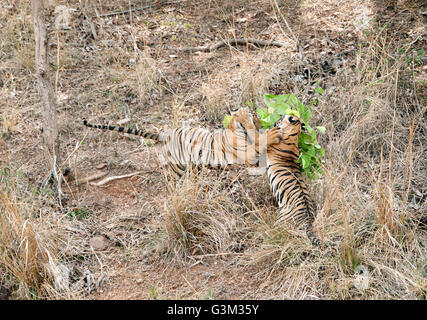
127	66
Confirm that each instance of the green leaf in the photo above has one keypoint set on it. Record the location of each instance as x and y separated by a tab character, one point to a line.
306	139
226	121
311	131
267	119
262	112
310	151
269	98
291	100
321	129
293	112
305	161
319	90
281	103
305	114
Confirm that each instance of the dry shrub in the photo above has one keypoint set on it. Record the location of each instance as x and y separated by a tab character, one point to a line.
135	73
8	120
201	217
146	76
280	246
22	251
243	84
254	76
284	262
373	161
216	98
29	251
16	34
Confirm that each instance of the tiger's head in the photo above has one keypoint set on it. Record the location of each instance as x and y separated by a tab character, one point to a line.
244	119
290	129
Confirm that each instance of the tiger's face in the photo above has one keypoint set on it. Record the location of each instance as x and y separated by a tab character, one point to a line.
244	119
290	128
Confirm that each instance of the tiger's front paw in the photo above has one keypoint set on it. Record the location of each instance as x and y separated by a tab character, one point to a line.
273	136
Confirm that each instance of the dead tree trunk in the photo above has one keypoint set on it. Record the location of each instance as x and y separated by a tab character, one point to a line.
47	94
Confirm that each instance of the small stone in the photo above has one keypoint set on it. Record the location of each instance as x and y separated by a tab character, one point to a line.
101	166
98	243
4	293
61	274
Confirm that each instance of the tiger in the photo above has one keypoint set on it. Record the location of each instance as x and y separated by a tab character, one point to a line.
285	178
241	143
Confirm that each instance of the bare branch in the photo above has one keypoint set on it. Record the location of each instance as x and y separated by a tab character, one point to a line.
47	94
239	41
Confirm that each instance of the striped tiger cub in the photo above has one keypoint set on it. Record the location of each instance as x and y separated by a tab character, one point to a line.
240	143
285	178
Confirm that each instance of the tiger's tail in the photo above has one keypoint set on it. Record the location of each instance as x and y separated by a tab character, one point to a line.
142	133
311	236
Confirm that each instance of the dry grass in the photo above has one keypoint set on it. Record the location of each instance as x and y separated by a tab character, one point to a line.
27	251
22	253
176	240
187	222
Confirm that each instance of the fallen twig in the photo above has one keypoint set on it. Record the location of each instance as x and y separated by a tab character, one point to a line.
95	176
116	13
215	254
133	218
106	180
241	41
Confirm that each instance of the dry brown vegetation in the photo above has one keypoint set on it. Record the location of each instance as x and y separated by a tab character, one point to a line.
212	236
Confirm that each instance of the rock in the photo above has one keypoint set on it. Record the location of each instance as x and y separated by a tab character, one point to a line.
61	273
4	293
101	166
98	243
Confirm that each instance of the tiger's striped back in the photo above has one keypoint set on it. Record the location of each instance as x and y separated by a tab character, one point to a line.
286	181
241	143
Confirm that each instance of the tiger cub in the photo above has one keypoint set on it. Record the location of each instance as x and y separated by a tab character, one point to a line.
240	143
285	178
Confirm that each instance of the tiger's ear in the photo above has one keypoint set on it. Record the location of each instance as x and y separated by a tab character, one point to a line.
257	122
235	124
244	110
278	123
232	124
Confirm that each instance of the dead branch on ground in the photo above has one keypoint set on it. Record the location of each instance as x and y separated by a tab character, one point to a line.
239	41
153	5
106	180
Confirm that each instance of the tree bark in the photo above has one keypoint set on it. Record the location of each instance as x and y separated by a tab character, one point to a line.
45	89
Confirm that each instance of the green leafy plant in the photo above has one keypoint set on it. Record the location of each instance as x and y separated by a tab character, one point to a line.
79	213
310	150
288	104
226	121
